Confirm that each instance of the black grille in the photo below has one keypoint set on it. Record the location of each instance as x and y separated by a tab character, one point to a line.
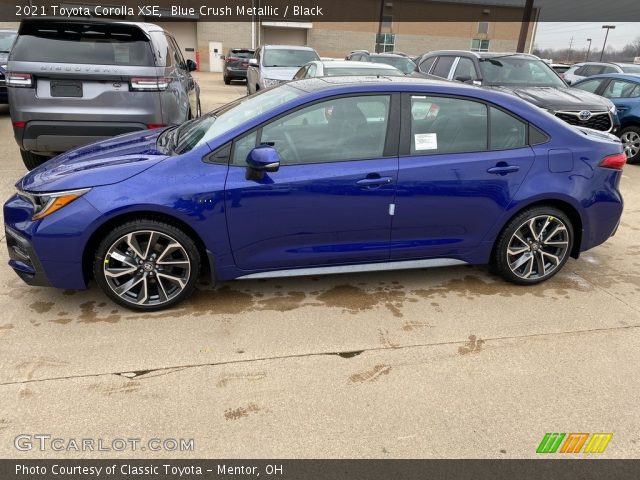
600	121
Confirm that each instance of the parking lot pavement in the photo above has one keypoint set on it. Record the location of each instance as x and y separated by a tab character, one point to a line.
447	362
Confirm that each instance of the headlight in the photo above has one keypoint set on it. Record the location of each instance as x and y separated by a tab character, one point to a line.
612	108
270	82
45	204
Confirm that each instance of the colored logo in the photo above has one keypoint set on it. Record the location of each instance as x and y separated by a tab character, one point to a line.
574	442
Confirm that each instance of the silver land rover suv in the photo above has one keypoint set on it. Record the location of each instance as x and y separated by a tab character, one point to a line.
76	81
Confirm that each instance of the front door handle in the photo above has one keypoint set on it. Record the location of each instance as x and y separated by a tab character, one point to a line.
503	169
374	181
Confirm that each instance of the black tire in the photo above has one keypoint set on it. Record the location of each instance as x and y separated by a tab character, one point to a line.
537	249
32	160
633	133
151	281
227	81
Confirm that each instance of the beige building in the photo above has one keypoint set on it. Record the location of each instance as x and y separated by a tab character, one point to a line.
496	27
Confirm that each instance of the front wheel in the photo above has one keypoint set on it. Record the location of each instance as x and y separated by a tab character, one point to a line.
630	138
147	265
534	246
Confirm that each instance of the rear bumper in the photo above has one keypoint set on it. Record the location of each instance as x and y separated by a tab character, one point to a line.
235	72
56	137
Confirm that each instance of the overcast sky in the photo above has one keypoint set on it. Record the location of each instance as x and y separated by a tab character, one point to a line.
558	35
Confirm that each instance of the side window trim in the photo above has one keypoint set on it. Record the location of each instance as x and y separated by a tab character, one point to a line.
392	138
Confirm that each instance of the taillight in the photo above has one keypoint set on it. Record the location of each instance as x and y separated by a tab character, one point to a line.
19	124
149	84
16	79
616	161
151	126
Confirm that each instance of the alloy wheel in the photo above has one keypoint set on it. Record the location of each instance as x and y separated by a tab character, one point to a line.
538	247
147	268
631	142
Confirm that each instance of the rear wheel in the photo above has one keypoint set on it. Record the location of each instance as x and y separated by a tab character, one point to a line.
147	265
534	246
32	160
630	138
227	80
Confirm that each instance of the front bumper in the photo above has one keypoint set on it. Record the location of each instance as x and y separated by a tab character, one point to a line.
23	259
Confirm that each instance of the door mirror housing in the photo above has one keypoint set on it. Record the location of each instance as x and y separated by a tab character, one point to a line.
253	62
191	65
263	158
463	78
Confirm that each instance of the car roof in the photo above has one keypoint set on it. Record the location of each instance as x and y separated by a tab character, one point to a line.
351	63
619	76
287	47
482	54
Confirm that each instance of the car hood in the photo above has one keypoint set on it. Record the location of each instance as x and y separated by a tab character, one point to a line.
558	98
279	73
103	163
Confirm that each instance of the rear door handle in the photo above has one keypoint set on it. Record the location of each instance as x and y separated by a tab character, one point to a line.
374	182
503	169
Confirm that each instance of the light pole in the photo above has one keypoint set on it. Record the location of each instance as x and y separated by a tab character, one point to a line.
588	50
608	27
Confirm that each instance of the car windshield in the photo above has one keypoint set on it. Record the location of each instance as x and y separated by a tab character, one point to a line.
403	64
6	40
518	71
280	57
631	69
340	71
201	130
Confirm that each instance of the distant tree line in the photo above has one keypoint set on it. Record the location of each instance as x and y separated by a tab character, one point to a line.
625	54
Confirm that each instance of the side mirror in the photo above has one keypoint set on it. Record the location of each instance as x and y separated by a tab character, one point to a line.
463	78
477	82
191	65
263	158
253	62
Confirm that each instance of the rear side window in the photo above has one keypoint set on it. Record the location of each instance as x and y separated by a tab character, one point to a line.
581	71
162	50
621	89
425	66
84	43
443	65
589	85
506	131
447	125
593	70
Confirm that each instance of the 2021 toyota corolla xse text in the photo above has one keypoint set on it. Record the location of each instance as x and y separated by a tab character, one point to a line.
330	175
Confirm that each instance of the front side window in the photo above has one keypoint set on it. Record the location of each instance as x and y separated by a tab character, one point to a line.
447	125
465	70
335	130
504	70
621	89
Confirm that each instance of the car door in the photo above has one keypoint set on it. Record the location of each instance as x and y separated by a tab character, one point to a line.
461	162
624	95
329	201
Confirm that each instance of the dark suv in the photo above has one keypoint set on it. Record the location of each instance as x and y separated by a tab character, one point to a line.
236	64
7	37
399	60
77	81
525	76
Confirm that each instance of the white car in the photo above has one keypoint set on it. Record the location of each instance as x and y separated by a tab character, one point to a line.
275	64
345	68
583	70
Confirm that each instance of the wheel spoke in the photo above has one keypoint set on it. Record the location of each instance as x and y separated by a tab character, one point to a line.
540	263
172	278
529	268
124	288
167	249
122	258
517	251
559	228
553	258
132	241
521	261
145	289
161	290
544	227
532	228
153	237
119	272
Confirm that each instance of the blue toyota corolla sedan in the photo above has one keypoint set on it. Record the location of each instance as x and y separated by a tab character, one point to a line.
323	175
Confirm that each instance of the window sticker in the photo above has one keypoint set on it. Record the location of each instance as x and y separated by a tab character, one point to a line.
426	141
